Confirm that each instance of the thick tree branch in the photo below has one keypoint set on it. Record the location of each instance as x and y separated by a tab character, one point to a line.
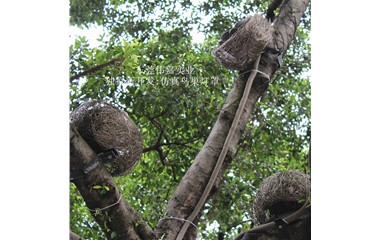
186	196
96	68
118	216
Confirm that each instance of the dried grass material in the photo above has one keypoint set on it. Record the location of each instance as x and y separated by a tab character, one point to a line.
280	193
245	45
104	127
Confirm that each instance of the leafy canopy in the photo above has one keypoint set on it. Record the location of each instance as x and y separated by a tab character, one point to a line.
172	88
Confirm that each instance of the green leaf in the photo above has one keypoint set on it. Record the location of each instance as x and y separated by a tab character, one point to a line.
91	81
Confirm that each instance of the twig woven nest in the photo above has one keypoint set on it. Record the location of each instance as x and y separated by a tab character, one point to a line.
280	193
244	44
105	127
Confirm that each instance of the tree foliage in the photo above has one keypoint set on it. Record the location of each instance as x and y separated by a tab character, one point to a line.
172	88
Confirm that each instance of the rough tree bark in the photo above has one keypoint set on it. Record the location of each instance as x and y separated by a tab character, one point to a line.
122	218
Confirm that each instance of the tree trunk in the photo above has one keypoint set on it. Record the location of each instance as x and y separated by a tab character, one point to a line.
192	185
